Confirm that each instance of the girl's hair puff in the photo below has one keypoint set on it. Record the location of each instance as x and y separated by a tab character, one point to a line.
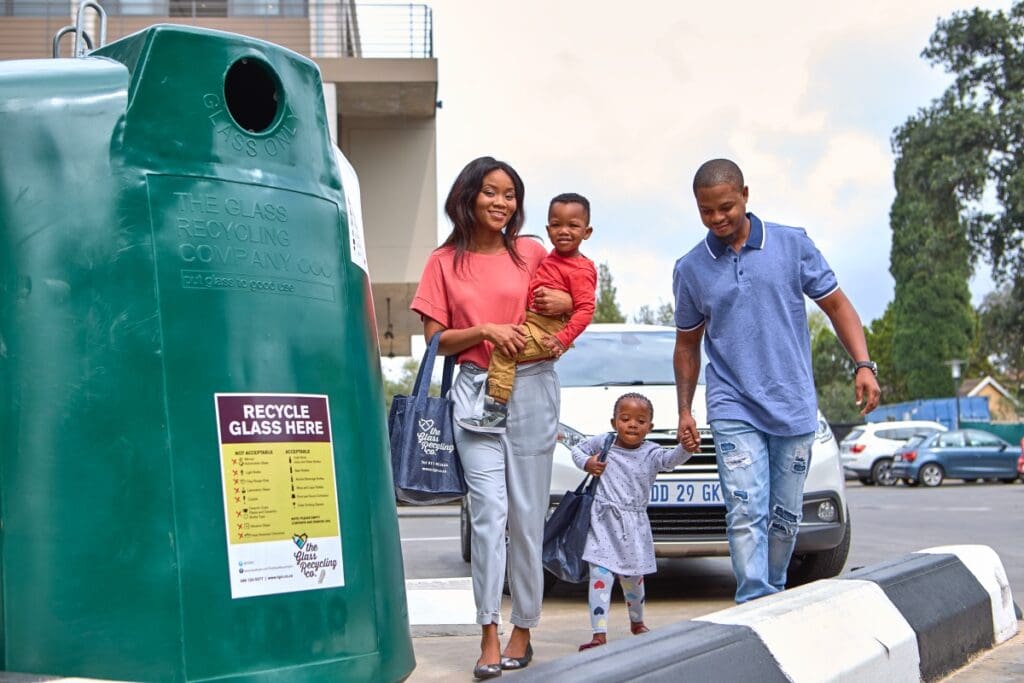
635	397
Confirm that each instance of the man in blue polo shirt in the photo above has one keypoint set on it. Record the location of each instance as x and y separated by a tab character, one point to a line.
742	289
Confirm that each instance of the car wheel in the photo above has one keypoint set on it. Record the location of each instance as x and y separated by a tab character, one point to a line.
465	530
970	481
910	482
824	565
881	472
1008	480
931	474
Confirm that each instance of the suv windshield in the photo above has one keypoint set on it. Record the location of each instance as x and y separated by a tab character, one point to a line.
619	358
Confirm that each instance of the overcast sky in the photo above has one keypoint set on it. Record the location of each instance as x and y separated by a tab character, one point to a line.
623	101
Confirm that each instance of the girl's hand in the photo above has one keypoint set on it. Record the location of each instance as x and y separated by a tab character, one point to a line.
553	302
511	339
594	466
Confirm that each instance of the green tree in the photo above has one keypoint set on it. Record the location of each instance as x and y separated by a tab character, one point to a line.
1001	334
833	371
930	263
664	315
977	128
606	309
403	384
966	146
880	345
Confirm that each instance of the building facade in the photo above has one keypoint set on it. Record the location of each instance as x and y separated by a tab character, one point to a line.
380	85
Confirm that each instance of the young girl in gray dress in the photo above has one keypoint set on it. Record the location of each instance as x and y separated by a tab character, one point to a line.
620	544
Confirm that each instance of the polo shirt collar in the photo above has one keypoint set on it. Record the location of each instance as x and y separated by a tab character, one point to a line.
755	240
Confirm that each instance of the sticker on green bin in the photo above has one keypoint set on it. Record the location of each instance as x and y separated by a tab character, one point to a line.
280	493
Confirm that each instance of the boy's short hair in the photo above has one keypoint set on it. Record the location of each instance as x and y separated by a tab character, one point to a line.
718	172
571	198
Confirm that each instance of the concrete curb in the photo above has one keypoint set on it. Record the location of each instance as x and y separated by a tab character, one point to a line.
441	607
917	617
446	510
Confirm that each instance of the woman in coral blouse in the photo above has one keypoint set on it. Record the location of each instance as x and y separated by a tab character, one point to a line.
474	288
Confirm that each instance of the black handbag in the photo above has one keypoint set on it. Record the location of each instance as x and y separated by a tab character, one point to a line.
424	460
565	532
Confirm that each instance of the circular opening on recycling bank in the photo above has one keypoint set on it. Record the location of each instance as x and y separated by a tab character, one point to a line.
252	94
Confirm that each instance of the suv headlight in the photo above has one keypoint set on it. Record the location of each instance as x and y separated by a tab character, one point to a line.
568	436
823	433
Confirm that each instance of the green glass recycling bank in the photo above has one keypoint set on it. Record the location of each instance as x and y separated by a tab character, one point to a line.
194	473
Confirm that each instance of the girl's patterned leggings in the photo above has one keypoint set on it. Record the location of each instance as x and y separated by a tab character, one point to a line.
601	581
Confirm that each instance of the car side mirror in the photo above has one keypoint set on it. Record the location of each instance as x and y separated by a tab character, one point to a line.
1002	447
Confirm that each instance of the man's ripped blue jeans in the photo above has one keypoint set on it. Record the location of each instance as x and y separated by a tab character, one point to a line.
763	485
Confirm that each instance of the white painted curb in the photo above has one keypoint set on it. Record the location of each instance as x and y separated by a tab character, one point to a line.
986	566
837	629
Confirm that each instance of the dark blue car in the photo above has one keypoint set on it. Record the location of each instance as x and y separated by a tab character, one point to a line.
967	454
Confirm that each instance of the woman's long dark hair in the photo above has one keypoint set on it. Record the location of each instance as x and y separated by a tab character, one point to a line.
461	203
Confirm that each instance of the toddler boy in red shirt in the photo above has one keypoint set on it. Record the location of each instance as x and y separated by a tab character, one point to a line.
565	269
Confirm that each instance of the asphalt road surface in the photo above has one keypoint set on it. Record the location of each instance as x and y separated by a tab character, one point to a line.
887	522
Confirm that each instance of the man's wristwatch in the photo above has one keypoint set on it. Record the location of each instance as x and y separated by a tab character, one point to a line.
869	364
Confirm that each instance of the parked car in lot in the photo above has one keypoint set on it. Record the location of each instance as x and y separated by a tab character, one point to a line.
686	509
967	454
867	450
1020	461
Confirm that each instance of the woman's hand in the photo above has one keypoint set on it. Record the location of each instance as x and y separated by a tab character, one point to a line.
553	302
511	339
594	466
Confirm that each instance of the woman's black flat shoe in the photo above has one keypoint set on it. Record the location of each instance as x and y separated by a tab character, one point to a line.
482	672
513	663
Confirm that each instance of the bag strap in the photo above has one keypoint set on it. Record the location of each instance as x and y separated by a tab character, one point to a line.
422	385
590	482
446	374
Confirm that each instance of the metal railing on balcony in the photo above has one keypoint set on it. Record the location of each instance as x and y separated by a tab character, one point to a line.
317	28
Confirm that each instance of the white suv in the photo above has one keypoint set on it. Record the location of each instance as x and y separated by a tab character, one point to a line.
867	450
686	509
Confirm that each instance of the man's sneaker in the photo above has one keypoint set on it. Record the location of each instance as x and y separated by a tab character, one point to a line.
493	421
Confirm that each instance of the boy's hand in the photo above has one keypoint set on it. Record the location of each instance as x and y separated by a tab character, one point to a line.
594	466
552	345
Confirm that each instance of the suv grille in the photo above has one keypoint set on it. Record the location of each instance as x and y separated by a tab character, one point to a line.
703	461
668	523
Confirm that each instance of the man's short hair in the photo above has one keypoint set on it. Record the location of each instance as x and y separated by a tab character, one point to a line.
572	198
718	172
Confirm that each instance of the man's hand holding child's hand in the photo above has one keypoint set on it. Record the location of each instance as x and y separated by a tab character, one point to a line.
594	466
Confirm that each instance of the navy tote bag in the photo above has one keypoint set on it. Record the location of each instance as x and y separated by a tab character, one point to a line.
565	532
424	461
